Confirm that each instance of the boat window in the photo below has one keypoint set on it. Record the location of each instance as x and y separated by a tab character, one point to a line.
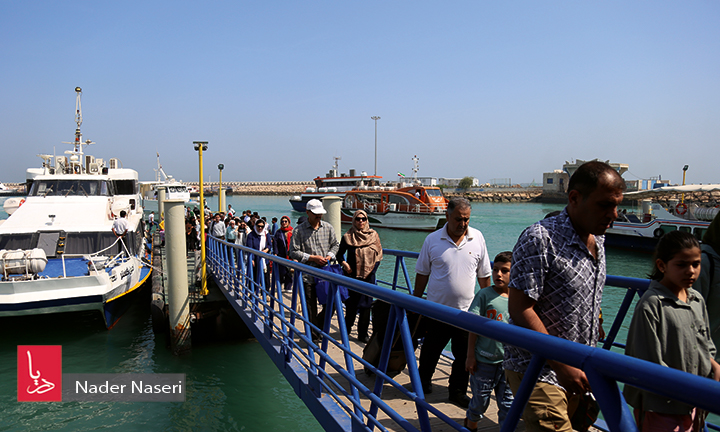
398	199
433	192
125	187
668	228
369	198
699	233
91	242
684	229
16	241
69	188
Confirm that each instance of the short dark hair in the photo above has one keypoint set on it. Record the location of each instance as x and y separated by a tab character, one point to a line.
670	245
458	202
123	213
586	178
503	257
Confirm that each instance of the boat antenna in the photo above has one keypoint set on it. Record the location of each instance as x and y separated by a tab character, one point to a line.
160	170
416	168
77	152
335	165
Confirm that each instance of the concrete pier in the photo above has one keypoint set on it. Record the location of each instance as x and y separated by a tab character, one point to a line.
177	299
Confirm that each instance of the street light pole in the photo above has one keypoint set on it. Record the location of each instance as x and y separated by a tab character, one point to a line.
376	118
682	198
220	194
199	147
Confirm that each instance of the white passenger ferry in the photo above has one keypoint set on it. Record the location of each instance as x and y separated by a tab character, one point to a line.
58	252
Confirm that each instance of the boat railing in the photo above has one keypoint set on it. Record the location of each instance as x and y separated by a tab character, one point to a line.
380	207
335	395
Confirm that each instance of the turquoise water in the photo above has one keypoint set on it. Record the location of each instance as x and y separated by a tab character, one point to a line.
233	385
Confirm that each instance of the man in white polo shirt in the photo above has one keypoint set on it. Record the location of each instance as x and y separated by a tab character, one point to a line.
450	261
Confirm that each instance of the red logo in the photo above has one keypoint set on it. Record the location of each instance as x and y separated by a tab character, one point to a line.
39	373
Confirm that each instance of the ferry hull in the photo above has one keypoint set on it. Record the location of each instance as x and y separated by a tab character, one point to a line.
74	294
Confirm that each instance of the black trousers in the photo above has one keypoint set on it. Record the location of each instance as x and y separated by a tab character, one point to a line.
437	337
352	306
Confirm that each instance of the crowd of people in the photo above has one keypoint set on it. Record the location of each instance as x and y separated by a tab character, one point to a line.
552	282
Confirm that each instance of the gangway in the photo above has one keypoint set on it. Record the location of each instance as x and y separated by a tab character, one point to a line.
326	376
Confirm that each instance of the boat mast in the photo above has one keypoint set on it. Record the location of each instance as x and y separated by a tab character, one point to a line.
336	173
76	162
416	168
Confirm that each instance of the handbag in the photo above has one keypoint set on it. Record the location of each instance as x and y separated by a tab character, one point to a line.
322	286
586	412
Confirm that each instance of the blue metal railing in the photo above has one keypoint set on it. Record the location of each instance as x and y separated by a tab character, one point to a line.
334	393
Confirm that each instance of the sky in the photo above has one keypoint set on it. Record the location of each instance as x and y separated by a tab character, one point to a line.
488	89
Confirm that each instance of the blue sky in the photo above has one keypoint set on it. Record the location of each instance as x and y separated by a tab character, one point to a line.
485	89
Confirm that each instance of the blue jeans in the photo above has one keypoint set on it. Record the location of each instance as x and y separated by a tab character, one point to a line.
489	377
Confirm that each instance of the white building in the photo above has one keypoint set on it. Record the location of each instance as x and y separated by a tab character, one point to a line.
555	181
428	181
455	182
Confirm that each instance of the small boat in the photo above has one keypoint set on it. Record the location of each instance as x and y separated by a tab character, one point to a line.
58	252
4	190
642	231
333	185
174	190
420	208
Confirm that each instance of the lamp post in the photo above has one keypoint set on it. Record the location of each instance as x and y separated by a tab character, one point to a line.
376	118
199	147
682	197
220	194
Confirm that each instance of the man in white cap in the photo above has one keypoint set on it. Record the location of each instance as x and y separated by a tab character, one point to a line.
314	243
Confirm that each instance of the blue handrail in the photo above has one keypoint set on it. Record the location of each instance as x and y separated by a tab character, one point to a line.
333	392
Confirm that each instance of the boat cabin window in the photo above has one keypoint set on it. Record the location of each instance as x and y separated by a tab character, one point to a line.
699	233
16	241
69	188
125	187
369	198
433	192
398	199
684	229
176	189
667	228
72	243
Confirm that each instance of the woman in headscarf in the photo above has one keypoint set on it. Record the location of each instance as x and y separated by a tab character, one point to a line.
258	239
364	253
281	245
708	283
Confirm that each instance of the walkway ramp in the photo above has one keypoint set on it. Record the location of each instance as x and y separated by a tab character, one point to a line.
328	376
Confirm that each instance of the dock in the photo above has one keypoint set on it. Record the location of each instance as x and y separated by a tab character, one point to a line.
211	318
329	378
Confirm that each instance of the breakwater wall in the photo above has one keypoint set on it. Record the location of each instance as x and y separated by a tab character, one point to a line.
258	188
501	195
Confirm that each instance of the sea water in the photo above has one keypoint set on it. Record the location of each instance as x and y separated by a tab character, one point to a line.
231	385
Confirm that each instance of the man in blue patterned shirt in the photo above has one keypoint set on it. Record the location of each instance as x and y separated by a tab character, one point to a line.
556	286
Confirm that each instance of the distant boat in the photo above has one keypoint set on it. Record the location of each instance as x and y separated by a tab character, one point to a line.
174	190
333	185
420	208
642	231
58	252
4	190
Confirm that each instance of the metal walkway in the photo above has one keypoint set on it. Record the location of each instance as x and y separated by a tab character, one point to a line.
330	380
